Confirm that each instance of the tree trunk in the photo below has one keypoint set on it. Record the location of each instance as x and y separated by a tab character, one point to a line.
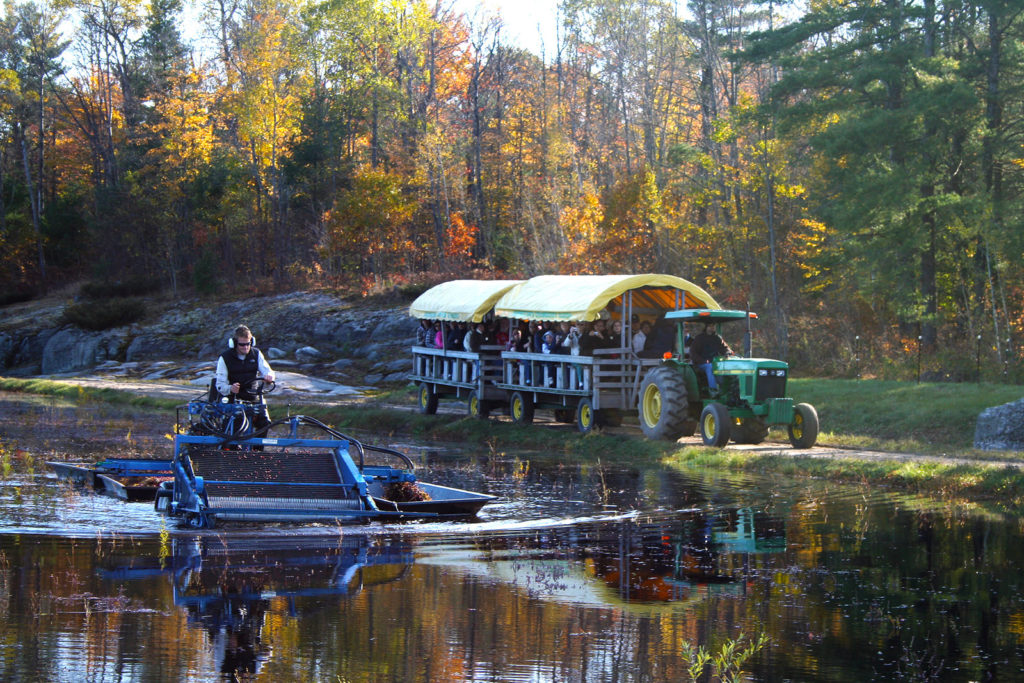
34	203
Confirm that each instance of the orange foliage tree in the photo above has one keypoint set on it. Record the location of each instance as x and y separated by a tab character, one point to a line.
460	239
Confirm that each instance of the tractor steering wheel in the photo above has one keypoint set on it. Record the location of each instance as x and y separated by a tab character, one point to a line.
260	386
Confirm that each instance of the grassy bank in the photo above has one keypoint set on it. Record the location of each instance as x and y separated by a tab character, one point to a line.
891	416
907	417
80	394
995	486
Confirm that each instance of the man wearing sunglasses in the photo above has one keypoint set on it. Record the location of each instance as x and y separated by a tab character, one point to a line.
239	366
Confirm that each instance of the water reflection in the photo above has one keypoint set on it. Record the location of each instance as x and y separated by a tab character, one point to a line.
668	558
848	588
581	572
236	591
226	586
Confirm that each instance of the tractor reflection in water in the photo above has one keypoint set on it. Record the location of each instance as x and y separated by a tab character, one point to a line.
680	560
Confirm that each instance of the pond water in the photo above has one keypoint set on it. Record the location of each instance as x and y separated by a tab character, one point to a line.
576	573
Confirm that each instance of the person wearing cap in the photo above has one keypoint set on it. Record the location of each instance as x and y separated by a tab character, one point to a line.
705	347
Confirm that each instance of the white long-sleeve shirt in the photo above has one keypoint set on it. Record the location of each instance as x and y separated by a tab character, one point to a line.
224	387
639	339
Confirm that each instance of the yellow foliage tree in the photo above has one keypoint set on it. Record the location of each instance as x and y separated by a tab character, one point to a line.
369	232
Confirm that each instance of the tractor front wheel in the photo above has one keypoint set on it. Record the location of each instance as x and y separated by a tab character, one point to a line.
803	432
714	425
664	406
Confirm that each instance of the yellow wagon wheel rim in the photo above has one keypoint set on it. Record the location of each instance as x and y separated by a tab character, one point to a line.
586	415
517	408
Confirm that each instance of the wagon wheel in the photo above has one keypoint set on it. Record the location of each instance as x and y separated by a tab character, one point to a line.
586	416
520	407
477	407
664	404
803	432
427	399
714	425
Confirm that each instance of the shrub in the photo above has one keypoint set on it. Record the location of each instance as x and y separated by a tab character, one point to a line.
102	315
122	288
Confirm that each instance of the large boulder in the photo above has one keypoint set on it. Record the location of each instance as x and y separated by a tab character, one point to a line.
1001	428
308	354
340	333
71	349
153	347
396	327
24	350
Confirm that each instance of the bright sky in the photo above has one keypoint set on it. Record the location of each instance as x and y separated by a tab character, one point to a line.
525	21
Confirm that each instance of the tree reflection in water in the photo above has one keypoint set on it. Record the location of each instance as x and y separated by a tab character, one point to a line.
850	584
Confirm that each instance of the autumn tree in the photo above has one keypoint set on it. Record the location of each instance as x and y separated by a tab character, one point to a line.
33	57
369	233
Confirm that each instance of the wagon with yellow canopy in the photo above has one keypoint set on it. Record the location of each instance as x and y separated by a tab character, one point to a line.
728	396
585	389
442	372
598	387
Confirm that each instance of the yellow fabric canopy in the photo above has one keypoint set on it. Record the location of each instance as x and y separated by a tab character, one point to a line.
461	300
583	297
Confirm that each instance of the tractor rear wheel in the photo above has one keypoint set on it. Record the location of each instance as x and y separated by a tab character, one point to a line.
664	406
803	432
750	430
714	425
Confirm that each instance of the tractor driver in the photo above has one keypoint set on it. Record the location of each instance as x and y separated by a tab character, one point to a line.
704	348
239	366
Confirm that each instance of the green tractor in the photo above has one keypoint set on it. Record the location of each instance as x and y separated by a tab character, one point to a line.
675	398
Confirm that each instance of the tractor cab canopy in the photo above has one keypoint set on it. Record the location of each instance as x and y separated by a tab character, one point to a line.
711	316
460	300
589	297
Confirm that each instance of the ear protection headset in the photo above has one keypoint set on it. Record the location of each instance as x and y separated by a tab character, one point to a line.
231	342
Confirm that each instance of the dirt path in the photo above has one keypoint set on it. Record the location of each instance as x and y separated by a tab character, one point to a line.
185	391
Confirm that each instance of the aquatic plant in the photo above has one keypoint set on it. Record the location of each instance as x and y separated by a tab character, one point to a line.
165	542
725	665
520	468
405	492
5	460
